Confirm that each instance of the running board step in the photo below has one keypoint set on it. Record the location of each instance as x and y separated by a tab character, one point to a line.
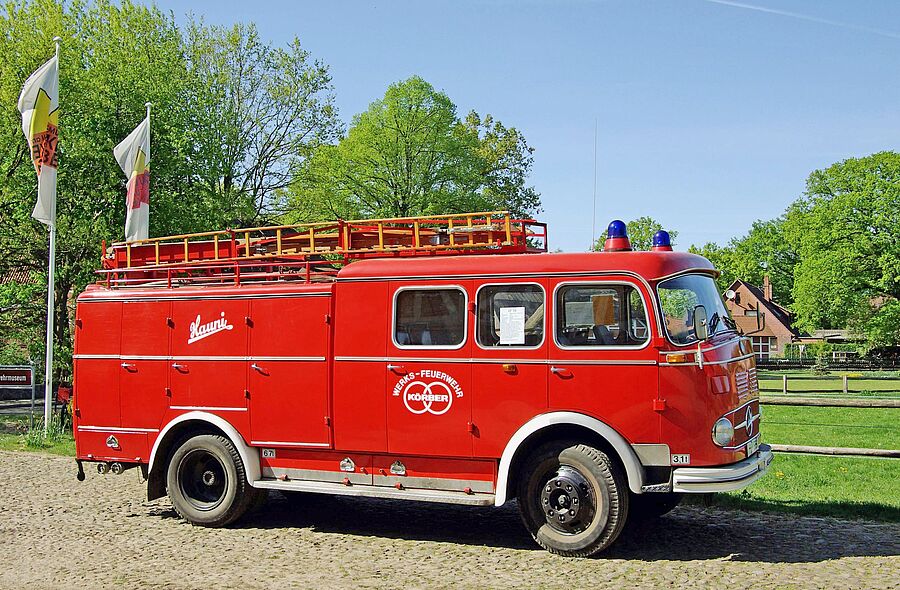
339	489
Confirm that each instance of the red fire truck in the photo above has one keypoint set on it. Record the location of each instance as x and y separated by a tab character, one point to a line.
438	359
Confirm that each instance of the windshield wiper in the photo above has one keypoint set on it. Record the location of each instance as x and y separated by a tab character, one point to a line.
732	325
713	322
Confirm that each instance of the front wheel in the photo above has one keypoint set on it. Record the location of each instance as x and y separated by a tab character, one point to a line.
207	483
573	499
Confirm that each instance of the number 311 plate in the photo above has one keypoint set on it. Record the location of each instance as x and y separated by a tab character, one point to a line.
752	446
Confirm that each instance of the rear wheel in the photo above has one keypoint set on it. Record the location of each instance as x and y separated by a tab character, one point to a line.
207	482
573	499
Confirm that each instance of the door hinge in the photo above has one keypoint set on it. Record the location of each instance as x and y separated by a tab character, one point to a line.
659	405
327	318
327	421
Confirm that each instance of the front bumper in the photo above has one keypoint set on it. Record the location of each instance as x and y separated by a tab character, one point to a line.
726	478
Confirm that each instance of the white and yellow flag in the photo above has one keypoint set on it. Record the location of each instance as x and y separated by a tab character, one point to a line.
39	105
133	156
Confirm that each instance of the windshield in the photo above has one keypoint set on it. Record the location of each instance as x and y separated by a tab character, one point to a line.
678	298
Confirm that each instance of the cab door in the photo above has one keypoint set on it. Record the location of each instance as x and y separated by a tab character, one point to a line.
602	362
428	369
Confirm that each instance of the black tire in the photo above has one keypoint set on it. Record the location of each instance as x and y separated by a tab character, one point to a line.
651	506
207	483
573	499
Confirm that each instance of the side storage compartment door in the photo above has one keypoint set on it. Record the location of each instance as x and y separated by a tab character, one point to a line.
360	335
97	365
288	372
144	369
208	368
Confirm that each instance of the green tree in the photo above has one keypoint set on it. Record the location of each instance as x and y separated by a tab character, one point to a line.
764	250
640	233
845	231
208	85
410	154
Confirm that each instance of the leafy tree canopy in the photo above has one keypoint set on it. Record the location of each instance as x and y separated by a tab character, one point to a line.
410	154
845	231
762	251
232	116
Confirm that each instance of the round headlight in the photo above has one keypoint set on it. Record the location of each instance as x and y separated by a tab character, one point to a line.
723	432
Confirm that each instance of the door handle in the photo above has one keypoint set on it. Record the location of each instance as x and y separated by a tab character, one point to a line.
561	371
180	368
396	368
256	367
128	366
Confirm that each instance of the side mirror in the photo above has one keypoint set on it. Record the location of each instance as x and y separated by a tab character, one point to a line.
701	326
760	323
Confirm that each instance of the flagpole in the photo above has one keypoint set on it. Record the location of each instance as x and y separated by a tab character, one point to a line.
48	370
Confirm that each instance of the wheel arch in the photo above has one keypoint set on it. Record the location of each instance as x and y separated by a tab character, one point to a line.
193	423
564	426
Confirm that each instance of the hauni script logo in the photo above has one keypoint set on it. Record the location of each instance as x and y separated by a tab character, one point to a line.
427	391
200	331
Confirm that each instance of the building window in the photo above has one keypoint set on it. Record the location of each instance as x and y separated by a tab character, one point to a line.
433	318
510	315
763	346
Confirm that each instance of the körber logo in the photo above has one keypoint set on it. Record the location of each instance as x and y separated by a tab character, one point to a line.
428	391
200	331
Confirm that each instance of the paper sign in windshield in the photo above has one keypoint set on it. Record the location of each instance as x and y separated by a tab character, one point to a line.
512	325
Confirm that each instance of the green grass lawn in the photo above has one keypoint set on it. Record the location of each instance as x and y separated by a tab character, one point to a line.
14	437
848	487
874	428
844	487
832	384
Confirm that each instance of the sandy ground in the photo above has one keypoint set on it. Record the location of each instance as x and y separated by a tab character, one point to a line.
58	533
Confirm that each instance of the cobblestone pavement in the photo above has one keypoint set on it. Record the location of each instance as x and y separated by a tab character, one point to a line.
58	533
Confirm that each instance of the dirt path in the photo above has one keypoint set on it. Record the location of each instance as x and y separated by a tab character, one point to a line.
58	533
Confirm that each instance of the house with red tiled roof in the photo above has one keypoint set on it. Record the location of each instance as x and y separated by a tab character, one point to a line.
747	302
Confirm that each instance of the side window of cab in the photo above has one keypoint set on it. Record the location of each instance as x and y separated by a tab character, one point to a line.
429	317
600	315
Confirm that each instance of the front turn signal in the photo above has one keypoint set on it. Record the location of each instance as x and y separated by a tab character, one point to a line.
680	358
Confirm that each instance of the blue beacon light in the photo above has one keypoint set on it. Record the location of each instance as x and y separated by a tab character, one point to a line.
617	238
662	242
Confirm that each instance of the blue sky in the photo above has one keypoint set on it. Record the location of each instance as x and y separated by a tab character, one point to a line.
710	114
